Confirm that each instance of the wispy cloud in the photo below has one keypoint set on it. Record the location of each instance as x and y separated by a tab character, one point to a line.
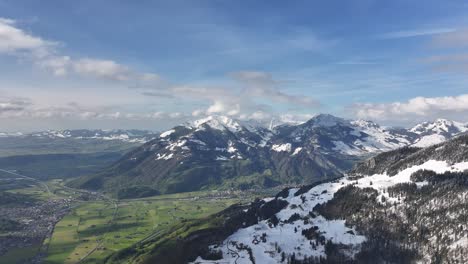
415	33
25	108
13	104
456	63
253	91
453	39
454	57
356	62
262	84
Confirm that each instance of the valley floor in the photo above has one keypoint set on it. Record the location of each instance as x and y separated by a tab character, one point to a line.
92	226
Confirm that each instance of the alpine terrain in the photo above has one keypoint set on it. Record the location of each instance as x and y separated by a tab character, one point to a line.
220	152
403	206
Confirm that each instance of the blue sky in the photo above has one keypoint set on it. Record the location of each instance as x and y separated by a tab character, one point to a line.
152	64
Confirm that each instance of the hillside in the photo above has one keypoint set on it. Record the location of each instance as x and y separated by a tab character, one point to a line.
416	212
219	152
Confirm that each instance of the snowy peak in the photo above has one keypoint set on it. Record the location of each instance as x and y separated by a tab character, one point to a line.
430	133
217	122
220	146
337	135
440	126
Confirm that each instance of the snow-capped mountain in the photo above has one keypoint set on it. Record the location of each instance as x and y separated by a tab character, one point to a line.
219	151
332	134
430	133
403	206
131	136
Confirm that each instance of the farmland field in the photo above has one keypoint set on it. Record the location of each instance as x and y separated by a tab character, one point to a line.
94	230
96	226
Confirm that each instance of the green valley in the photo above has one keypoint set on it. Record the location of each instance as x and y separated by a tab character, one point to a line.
96	227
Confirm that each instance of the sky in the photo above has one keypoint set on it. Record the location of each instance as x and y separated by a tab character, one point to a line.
153	64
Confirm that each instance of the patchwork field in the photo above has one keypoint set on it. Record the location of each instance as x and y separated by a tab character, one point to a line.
94	230
97	226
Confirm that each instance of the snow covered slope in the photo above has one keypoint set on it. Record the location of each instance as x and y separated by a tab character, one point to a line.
264	239
332	134
300	232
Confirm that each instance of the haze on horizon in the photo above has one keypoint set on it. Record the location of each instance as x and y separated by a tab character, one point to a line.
107	64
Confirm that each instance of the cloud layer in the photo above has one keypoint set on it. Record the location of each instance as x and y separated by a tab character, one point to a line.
415	109
251	93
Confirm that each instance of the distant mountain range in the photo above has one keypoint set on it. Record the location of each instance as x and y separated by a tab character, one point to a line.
220	152
67	153
80	141
132	136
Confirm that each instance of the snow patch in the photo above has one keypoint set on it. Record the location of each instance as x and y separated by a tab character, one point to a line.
429	140
165	156
283	147
167	133
296	151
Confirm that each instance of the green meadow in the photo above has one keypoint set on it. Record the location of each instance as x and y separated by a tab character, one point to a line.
95	230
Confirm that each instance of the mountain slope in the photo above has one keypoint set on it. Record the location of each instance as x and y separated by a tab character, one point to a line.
413	211
219	152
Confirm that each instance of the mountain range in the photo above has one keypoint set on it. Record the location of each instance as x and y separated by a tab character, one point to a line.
67	153
223	153
79	141
132	135
403	206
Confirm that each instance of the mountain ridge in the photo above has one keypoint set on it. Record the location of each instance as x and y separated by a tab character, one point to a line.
221	152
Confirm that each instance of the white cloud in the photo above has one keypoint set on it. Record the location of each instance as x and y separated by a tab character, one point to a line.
13	40
15	108
254	94
106	69
57	64
222	107
415	109
45	54
294	118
